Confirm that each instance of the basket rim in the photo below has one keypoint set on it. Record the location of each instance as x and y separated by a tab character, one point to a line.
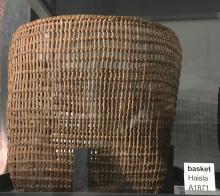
97	17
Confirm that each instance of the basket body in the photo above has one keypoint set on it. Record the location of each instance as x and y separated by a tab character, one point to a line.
108	83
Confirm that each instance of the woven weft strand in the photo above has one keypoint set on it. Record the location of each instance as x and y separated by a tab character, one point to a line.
104	82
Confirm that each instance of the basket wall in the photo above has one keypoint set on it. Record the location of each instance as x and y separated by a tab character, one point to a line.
109	83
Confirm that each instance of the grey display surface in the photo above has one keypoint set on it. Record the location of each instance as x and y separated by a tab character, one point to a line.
82	194
179	190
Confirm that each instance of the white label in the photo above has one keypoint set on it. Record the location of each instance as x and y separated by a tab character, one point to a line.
199	177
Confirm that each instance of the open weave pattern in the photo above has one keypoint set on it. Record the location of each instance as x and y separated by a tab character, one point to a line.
109	83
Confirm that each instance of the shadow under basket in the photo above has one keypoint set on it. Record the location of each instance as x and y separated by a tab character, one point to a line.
108	83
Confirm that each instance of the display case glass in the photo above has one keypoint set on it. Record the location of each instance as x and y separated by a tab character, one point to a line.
188	52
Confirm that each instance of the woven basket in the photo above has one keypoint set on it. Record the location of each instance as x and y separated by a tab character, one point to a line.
103	82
